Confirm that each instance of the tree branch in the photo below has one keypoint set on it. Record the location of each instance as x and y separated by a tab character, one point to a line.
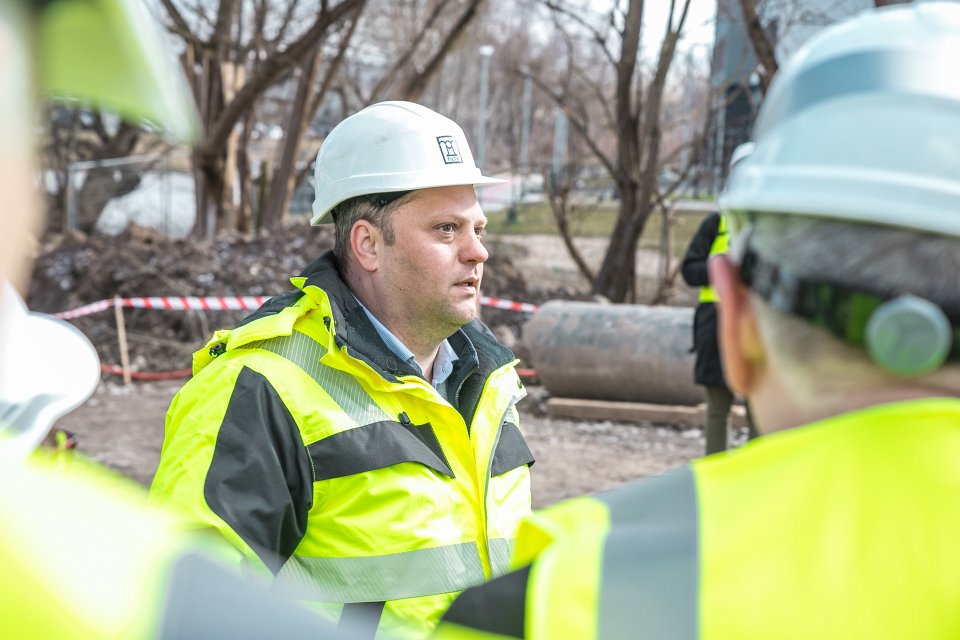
416	85
180	26
271	69
404	58
762	46
578	124
598	37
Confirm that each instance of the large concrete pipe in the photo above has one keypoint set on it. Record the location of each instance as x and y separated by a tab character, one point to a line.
632	353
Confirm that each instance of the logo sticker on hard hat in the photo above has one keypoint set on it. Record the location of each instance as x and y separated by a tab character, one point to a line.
449	150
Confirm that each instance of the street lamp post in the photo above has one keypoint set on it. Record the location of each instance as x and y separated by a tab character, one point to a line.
525	137
486	52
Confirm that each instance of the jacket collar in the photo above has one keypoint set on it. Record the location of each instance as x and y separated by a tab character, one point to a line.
475	345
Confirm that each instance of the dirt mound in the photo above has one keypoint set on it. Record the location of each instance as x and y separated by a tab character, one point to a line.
74	270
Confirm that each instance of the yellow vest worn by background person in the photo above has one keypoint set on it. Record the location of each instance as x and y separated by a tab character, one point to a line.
84	557
307	444
845	528
720	245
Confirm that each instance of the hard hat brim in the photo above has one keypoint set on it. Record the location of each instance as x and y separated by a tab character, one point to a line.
47	369
322	210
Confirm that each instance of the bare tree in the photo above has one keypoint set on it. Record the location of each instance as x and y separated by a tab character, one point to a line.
631	116
307	100
558	188
213	48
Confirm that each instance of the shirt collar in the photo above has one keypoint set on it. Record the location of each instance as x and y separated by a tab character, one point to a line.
442	366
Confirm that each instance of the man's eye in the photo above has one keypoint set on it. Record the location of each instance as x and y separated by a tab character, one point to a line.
481	232
447	228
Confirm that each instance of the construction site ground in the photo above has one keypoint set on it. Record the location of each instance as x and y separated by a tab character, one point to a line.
122	426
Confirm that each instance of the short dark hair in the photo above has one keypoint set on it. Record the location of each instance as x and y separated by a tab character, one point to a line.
375	208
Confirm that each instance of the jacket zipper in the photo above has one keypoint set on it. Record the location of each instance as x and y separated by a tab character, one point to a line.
487	479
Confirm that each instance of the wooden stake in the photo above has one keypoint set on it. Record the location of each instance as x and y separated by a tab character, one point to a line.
122	338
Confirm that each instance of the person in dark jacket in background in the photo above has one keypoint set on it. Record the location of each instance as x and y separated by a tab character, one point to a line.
709	240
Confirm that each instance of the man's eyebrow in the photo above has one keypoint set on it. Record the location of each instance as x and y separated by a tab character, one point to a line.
460	217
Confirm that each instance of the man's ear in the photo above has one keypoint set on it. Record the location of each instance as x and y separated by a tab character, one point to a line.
365	243
740	345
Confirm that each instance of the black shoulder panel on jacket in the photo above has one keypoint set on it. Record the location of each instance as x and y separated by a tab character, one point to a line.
274	305
694	265
377	446
488	354
511	452
260	481
498	606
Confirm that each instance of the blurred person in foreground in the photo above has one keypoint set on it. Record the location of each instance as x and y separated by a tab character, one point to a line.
358	436
839	320
82	554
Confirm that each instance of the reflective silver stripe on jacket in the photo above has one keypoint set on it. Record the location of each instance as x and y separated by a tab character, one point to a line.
422	572
501	550
650	573
305	352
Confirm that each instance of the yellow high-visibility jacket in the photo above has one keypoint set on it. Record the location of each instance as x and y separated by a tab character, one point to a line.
720	244
845	528
85	558
307	444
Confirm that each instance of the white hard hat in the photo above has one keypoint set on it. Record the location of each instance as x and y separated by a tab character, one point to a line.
389	147
47	368
863	124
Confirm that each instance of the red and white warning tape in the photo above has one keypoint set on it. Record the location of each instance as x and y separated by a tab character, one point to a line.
230	303
209	303
227	303
510	305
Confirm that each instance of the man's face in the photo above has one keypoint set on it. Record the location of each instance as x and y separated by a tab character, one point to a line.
431	273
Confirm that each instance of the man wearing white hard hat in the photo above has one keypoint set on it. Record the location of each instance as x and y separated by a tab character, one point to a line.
839	320
83	555
358	436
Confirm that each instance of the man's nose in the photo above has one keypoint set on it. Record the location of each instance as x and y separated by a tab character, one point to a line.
474	251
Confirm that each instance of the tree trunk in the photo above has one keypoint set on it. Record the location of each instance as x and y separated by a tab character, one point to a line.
233	76
619	268
283	182
100	186
762	46
559	200
243	175
418	84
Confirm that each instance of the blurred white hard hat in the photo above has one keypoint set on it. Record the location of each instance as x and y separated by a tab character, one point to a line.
47	368
389	147
863	124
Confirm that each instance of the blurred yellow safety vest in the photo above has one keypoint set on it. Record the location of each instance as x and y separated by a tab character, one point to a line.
844	528
85	558
720	245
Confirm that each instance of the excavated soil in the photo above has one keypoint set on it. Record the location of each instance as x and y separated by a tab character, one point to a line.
122	426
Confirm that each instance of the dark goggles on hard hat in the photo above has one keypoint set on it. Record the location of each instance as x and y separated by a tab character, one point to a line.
904	334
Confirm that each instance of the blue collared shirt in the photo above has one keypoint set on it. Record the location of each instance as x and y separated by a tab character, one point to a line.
442	366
